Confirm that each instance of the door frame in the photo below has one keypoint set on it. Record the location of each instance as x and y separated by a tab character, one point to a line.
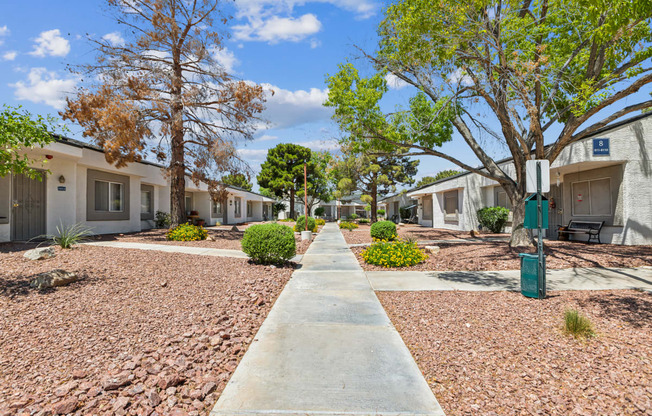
44	201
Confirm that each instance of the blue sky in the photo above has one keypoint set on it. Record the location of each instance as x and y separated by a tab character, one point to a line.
290	45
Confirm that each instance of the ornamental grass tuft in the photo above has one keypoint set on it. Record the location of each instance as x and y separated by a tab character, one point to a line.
577	325
187	232
398	253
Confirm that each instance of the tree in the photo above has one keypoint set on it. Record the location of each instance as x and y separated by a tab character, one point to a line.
319	183
559	68
426	180
164	91
282	171
20	130
237	179
374	176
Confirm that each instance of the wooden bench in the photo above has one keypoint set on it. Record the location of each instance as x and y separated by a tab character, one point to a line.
591	228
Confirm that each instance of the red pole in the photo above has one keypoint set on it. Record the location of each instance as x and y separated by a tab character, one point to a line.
305	193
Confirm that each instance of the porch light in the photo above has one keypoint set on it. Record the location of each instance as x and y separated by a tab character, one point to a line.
62	179
230	202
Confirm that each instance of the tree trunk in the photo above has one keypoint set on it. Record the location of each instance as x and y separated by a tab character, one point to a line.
292	215
520	236
374	203
177	159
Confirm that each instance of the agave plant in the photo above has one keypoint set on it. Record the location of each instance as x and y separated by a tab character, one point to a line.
69	235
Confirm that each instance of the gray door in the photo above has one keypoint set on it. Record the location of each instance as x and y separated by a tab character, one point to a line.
28	202
555	215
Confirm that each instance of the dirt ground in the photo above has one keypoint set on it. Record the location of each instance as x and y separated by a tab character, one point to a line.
499	353
411	231
139	332
219	237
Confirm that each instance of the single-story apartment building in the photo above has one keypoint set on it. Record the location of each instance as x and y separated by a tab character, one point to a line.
394	204
82	187
606	177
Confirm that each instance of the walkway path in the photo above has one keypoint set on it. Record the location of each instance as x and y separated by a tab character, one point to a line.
594	278
200	251
327	348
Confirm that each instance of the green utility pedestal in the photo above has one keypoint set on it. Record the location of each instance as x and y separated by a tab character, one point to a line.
530	221
530	279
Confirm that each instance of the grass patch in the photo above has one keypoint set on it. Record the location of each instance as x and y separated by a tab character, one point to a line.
577	325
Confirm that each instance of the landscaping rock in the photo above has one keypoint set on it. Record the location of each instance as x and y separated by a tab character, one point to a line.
53	278
234	228
115	382
40	253
65	406
432	249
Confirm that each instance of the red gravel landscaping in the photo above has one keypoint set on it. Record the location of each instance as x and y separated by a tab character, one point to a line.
499	353
362	235
480	256
140	333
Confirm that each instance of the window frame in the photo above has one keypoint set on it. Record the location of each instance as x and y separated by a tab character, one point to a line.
217	209
591	214
250	209
237	207
452	216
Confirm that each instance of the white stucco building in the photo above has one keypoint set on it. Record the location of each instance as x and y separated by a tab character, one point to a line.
82	187
606	177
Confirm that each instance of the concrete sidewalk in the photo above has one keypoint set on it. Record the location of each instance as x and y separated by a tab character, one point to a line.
564	279
327	348
200	251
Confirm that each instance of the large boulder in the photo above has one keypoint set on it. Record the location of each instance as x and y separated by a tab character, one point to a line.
53	278
40	253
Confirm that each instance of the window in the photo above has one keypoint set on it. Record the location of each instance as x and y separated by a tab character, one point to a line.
237	207
145	202
109	196
217	209
250	209
450	205
427	207
188	203
502	200
592	198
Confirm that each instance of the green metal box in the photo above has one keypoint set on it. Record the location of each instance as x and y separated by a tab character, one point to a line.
530	221
531	282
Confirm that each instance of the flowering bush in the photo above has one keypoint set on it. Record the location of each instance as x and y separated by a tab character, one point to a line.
269	243
383	230
346	225
393	254
301	224
187	232
320	221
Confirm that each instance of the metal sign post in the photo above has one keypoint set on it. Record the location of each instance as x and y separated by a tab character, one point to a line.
542	264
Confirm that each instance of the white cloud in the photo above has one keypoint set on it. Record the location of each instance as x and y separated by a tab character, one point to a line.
276	29
460	77
287	108
226	58
319	145
43	86
114	38
362	8
266	137
9	56
315	43
395	82
253	156
51	43
4	31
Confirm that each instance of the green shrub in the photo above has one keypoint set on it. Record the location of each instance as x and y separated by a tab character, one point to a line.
577	325
380	212
69	235
319	211
364	221
394	254
162	219
352	217
269	243
320	221
493	218
187	232
286	220
346	225
383	230
301	224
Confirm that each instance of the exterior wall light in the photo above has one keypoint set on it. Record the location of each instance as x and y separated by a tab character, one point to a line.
62	179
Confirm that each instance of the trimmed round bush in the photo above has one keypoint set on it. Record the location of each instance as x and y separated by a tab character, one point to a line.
187	232
346	225
269	243
383	230
319	211
493	218
394	254
301	224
